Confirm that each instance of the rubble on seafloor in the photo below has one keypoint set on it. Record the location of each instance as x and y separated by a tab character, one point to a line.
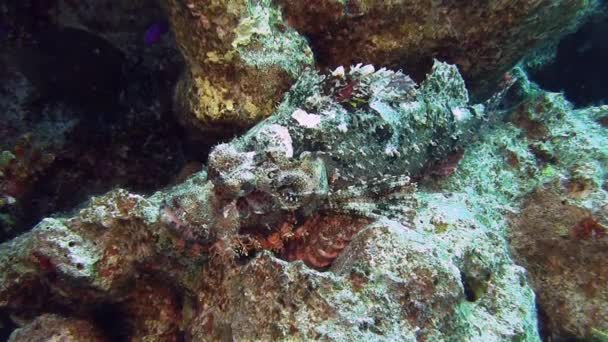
484	39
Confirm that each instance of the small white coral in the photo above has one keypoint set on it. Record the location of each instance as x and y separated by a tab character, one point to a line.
362	70
306	119
461	114
391	151
339	72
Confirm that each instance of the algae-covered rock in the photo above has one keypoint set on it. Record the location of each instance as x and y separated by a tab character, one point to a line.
560	234
241	57
483	39
392	283
544	169
566	262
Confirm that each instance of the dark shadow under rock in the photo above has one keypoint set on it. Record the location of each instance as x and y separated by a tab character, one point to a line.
579	68
84	110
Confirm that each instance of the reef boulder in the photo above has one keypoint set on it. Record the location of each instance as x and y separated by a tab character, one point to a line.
241	58
485	39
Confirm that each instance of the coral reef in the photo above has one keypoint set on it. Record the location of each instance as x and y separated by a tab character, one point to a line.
358	201
287	223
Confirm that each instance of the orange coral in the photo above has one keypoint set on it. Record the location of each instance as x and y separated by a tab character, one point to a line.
276	241
319	241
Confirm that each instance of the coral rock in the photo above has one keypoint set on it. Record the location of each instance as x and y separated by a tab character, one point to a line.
483	39
241	58
566	265
51	327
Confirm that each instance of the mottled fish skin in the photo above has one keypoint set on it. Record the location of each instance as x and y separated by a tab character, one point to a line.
155	32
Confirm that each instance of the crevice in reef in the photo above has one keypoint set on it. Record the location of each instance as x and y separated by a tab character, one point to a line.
110	318
6	326
579	66
87	107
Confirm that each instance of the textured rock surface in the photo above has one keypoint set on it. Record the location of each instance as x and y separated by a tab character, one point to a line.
545	168
241	58
566	262
483	39
566	216
56	328
243	55
391	283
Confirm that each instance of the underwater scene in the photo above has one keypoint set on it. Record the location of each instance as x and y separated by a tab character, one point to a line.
303	170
